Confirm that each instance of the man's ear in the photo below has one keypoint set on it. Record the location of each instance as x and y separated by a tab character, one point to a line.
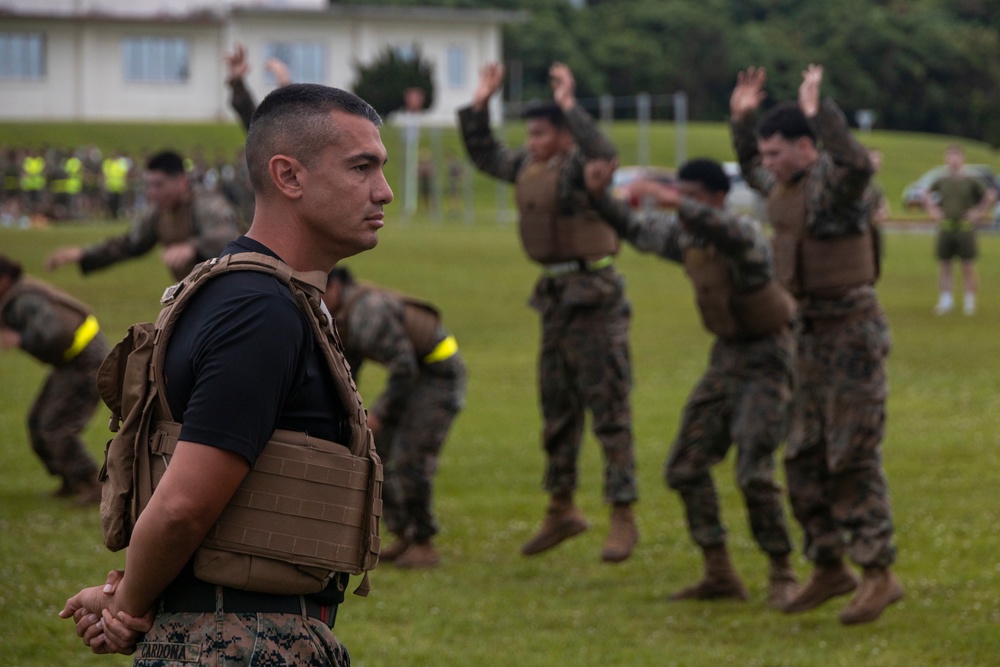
287	174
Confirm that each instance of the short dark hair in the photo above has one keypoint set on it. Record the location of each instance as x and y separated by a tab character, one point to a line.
708	173
168	162
549	111
290	121
341	275
10	268
787	120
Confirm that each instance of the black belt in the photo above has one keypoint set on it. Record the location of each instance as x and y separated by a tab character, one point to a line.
200	598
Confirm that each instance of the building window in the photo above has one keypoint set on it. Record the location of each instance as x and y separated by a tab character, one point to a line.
22	55
306	61
456	67
156	59
406	52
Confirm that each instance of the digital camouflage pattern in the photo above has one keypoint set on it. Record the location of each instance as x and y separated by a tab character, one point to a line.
745	247
584	363
504	163
62	410
833	459
836	201
69	395
416	408
239	640
744	398
208	222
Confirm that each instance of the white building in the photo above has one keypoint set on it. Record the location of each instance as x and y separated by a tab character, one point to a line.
162	60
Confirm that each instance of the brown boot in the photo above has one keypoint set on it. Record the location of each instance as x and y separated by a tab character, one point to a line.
66	490
623	534
419	555
879	589
782	583
826	581
394	550
87	493
720	581
562	521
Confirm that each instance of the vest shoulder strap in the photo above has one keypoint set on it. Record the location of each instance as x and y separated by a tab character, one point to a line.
306	287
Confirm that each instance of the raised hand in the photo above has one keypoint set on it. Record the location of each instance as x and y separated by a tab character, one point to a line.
812	77
236	62
282	77
490	80
748	93
563	86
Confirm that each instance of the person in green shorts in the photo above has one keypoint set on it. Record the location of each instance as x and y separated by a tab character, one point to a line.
956	201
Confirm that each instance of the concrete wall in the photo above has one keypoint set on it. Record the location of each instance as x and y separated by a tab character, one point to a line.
85	76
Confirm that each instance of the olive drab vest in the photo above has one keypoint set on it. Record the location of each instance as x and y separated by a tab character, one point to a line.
421	320
548	235
70	312
308	508
811	266
727	313
175	225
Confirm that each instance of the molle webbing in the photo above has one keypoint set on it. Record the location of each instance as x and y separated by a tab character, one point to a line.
713	288
307	509
787	211
550	235
834	266
729	314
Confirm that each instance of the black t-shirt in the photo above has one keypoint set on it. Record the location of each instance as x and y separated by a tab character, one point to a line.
243	361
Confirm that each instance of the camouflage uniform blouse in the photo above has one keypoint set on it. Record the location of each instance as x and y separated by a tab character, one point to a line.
835	192
208	222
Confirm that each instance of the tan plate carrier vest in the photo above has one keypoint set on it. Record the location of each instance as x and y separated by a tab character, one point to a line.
728	314
421	320
308	508
810	266
549	236
71	314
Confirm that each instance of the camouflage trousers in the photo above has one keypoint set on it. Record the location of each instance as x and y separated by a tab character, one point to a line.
61	412
410	448
584	365
833	460
239	640
744	398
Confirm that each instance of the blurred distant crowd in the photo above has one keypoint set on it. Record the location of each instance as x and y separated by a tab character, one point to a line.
52	183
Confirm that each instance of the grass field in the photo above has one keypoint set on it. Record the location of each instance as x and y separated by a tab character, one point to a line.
487	605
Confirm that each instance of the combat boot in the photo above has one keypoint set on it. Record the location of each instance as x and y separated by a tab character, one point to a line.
394	550
879	589
67	489
720	581
782	583
623	534
826	581
562	521
419	555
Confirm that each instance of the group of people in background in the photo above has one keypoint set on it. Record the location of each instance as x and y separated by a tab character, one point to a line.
62	184
801	341
800	346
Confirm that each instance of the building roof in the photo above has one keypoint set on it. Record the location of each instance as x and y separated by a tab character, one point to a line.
216	13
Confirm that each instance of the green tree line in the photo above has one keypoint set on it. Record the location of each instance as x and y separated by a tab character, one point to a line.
921	65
